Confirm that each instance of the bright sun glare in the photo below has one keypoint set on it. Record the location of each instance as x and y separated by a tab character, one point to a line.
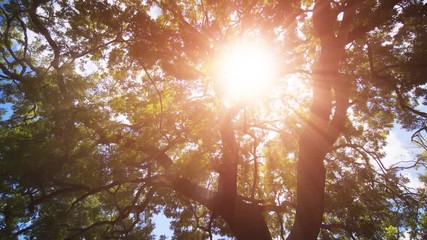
246	71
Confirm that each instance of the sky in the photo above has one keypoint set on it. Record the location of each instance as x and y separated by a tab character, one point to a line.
162	226
399	148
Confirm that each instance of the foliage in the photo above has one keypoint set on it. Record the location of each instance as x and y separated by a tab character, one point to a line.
117	115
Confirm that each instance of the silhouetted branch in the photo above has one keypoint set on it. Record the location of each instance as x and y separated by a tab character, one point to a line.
339	226
385	7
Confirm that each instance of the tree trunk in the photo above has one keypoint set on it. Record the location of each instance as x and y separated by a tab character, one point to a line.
310	189
227	183
247	222
313	146
326	122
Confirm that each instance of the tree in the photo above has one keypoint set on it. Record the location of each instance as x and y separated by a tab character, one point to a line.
95	153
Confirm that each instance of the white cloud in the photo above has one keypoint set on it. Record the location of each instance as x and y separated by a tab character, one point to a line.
397	151
31	36
406	235
414	181
121	118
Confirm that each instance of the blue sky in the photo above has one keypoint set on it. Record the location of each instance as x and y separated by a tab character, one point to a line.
399	148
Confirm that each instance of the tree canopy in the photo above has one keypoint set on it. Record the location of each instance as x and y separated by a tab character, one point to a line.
114	111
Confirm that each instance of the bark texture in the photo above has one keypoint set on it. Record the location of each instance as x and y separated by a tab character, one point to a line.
244	219
324	125
326	122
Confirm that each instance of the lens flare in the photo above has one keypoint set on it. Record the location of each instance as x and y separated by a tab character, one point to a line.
246	71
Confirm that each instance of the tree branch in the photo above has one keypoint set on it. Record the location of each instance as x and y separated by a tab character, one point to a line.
381	15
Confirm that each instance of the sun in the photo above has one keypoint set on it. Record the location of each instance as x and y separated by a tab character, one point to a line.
246	71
